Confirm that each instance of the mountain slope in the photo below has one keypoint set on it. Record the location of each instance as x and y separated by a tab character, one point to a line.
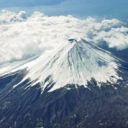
79	85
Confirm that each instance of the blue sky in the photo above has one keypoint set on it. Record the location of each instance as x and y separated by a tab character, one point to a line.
81	8
28	3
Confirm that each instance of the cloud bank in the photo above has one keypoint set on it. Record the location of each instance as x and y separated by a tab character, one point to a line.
25	36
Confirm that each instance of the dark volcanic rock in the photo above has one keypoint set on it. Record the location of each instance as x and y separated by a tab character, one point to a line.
92	107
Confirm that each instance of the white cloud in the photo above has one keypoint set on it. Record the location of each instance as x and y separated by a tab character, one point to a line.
7	17
22	36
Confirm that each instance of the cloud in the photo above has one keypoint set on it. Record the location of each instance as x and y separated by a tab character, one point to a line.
25	36
7	17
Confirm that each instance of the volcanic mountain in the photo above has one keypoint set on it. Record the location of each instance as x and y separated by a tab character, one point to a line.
77	85
75	63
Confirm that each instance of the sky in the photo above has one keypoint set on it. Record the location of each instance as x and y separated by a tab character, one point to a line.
80	8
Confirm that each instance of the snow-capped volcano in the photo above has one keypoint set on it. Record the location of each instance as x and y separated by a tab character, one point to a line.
42	92
76	63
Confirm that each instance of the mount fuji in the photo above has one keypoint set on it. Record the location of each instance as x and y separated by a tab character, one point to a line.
75	63
76	85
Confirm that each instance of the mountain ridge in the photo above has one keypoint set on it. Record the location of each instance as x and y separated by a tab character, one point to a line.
77	62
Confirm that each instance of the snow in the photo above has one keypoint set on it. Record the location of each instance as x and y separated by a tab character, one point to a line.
72	63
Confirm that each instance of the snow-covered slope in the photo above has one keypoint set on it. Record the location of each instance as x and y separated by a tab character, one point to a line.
76	62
